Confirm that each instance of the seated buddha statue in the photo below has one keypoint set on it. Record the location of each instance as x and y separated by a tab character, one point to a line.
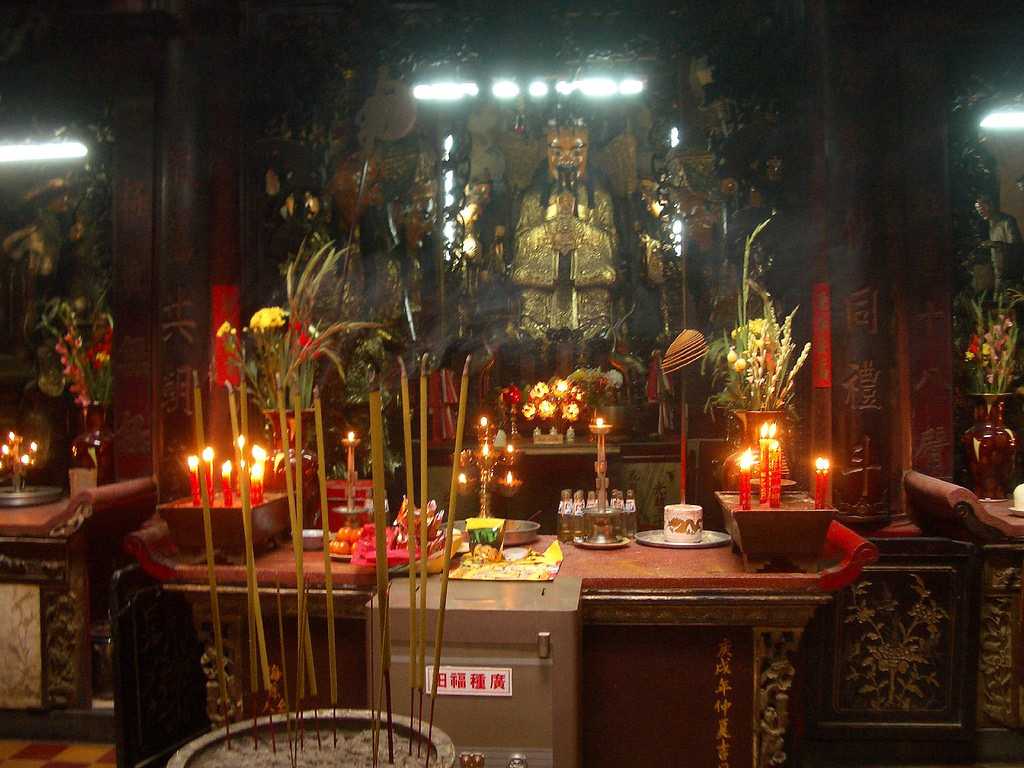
565	245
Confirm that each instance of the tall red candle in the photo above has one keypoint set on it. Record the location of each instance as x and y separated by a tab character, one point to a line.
746	462
208	469
775	473
821	471
767	434
225	483
193	479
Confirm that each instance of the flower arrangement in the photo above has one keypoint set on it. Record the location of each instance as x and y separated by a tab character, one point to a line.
991	353
289	343
84	347
599	389
555	399
757	359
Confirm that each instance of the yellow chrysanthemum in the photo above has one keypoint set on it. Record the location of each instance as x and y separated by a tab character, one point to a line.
986	350
570	412
539	391
529	411
268	319
757	326
969	356
546	409
225	329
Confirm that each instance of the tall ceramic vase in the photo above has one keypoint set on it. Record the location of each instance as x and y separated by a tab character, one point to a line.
749	436
275	479
990	447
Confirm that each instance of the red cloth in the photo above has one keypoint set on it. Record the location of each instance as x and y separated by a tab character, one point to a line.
443	399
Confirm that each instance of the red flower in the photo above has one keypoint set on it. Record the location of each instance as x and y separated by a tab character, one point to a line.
975	345
511	395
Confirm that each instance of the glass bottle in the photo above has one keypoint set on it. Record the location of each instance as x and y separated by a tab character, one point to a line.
629	514
565	517
578	507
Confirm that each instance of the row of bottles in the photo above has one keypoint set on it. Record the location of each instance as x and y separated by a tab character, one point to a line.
572	508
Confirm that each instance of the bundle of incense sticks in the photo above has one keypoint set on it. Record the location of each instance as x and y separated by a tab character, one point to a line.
328	577
258	660
380	525
449	526
421	630
204	494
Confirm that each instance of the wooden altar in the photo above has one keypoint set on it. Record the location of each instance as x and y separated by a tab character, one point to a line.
655	623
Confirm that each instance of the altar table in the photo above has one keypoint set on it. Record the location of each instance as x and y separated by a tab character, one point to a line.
685	657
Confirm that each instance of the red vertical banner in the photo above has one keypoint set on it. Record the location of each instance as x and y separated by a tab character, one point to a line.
821	335
224	308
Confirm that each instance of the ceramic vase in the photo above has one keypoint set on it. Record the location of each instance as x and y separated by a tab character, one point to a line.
93	447
990	447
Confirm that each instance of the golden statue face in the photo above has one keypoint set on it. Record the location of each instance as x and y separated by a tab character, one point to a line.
567	152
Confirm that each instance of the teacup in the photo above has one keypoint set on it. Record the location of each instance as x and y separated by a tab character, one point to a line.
684	523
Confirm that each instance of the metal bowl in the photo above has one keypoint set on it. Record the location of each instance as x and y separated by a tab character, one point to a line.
516	531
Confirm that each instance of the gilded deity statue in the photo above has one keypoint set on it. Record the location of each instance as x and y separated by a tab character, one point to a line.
564	265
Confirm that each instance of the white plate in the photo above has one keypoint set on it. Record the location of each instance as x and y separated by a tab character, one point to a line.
656	538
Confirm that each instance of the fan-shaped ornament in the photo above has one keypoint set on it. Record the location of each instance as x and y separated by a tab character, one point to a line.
688	347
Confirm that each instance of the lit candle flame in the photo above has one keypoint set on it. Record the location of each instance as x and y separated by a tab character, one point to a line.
462	478
772	430
225	469
511	448
11	436
821	464
486	450
764	431
193	463
351	436
240	442
483	421
208	455
508	478
746	460
256	473
599	421
25	459
6	449
259	455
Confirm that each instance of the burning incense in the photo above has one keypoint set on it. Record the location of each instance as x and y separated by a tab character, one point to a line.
449	526
380	525
415	675
421	631
328	577
204	495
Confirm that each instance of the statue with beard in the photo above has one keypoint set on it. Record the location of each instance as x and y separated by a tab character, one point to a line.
565	245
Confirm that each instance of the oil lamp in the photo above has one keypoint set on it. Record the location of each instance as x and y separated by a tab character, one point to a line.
488	468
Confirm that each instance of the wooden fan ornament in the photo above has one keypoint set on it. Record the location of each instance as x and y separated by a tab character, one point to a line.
688	347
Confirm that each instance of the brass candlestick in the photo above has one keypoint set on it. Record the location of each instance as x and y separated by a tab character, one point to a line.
488	468
350	441
16	457
600	429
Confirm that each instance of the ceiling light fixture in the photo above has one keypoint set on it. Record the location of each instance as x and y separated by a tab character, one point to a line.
631	86
62	150
446	91
1004	120
505	89
538	89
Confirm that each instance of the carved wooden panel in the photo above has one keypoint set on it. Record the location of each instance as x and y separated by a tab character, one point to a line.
892	654
1000	690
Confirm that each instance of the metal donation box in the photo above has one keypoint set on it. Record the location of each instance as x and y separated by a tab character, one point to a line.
509	680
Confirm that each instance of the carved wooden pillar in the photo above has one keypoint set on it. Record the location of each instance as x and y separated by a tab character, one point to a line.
860	225
133	289
926	277
183	293
223	88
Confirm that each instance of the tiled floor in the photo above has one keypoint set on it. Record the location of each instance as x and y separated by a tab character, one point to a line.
36	754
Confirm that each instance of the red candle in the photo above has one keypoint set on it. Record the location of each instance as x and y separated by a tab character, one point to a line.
225	483
767	433
775	473
821	470
746	462
208	471
193	479
256	483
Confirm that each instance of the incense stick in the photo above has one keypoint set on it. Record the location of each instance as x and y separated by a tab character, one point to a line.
284	672
415	676
380	524
421	632
299	516
449	526
250	570
204	494
328	576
